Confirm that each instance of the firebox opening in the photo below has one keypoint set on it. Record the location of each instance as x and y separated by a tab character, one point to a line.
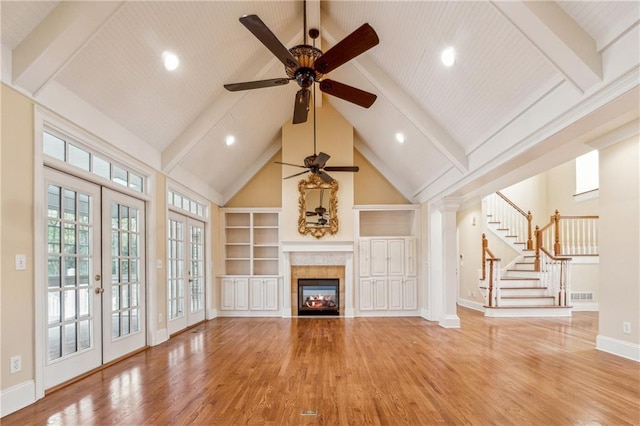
318	296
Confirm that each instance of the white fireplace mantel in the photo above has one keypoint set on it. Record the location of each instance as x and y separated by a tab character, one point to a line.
300	253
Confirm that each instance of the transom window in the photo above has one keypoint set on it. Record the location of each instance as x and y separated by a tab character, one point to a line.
587	172
74	155
186	204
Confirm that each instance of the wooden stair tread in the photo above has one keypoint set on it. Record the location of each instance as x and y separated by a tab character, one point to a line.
516	288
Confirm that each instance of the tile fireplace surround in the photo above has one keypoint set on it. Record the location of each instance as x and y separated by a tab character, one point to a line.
317	259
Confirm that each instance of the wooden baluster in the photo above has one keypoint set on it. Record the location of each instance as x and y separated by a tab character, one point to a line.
556	220
536	264
529	236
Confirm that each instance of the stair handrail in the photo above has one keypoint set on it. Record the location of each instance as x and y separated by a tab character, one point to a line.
494	273
528	216
554	269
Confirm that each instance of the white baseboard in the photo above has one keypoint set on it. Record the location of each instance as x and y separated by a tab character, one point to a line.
618	347
424	313
585	307
450	321
17	397
476	306
211	314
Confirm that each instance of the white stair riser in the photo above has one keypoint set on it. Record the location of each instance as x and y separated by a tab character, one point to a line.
520	283
520	274
523	292
526	312
527	302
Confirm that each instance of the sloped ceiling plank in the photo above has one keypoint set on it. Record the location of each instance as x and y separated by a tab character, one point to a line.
432	130
313	21
55	41
220	106
557	37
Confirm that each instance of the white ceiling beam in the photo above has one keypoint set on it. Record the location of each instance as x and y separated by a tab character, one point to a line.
220	106
558	37
56	40
387	87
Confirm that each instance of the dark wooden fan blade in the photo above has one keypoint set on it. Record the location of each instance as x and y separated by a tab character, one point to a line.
312	214
356	43
258	84
297	174
342	168
301	107
321	160
348	93
325	177
289	164
264	34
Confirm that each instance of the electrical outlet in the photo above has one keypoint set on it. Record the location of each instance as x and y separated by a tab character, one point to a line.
626	327
15	364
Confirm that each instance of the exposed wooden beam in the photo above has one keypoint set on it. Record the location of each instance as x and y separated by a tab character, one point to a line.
56	40
387	87
558	37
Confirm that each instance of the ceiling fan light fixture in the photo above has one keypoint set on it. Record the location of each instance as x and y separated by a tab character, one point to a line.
170	60
229	140
448	56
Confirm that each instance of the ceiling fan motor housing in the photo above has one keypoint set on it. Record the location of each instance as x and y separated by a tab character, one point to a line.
306	55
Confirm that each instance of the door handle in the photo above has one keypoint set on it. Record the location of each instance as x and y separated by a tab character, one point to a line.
99	290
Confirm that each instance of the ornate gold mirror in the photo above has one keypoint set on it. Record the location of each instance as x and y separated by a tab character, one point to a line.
318	207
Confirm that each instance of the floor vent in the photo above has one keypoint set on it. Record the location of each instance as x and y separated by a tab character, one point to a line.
582	295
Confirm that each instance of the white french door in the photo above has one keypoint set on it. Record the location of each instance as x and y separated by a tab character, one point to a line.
123	302
95	276
185	272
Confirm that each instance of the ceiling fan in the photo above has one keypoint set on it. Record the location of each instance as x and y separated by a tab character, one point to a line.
307	64
316	163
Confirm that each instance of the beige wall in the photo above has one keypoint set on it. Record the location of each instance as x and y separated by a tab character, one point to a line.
264	189
370	187
17	287
619	241
531	195
561	186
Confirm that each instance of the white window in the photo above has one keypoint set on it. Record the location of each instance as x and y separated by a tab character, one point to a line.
587	172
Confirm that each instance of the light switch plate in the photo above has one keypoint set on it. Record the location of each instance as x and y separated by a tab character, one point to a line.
21	262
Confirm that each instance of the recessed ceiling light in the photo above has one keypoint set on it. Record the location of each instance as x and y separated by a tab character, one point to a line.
170	60
229	140
400	137
448	56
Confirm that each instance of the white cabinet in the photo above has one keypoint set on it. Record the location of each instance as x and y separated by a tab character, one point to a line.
388	274
263	294
234	294
373	294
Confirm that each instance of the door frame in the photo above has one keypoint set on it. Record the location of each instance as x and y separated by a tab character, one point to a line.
46	120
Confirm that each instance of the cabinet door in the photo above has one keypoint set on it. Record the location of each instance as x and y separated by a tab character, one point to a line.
228	294
379	258
271	294
410	290
395	293
366	294
364	258
395	250
411	256
380	298
241	294
256	294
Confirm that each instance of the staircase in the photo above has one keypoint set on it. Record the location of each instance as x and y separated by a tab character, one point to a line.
517	290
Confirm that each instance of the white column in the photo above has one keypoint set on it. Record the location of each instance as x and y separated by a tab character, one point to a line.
349	311
443	276
286	285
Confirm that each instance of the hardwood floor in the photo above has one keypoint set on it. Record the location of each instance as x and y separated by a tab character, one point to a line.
363	371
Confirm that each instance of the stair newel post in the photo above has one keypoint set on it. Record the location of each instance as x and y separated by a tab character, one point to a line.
485	244
556	223
529	236
536	264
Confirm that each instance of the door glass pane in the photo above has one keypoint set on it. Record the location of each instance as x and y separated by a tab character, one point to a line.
174	279
69	235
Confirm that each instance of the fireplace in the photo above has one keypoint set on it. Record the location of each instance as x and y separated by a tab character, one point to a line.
318	296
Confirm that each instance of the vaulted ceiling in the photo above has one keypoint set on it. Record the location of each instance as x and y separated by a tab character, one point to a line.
529	78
